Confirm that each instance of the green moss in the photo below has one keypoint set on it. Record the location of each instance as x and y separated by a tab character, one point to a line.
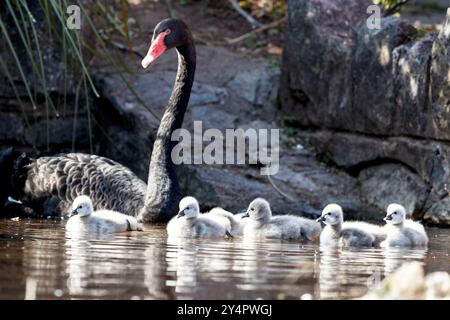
289	132
289	121
421	33
277	102
251	41
326	158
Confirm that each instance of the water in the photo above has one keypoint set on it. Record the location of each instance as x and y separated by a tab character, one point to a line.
37	260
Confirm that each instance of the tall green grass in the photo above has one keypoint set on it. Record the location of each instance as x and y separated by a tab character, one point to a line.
26	40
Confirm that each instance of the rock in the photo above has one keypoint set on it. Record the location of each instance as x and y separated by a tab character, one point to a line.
387	68
393	183
411	63
440	77
60	132
410	283
212	117
438	285
254	85
439	212
371	76
317	60
11	127
426	163
372	97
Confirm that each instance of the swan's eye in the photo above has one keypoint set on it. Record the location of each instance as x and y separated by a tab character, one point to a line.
329	214
188	208
252	209
167	31
80	206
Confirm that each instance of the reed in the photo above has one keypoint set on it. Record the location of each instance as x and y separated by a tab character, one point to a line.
26	41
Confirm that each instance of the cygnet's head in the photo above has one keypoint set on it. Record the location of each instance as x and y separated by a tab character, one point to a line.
82	206
332	215
259	209
395	214
189	208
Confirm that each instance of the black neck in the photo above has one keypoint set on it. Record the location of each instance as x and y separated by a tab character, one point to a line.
163	192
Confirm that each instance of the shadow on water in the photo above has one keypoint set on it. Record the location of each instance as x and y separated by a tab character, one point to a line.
38	256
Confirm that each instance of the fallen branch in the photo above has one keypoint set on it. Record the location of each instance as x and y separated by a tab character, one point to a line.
253	23
260	29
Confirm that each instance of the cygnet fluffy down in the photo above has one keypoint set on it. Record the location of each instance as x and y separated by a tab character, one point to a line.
189	223
286	227
85	220
349	234
227	219
402	232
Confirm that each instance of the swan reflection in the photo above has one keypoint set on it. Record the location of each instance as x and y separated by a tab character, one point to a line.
395	257
350	272
46	265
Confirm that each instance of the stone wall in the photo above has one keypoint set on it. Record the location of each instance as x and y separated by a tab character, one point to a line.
378	100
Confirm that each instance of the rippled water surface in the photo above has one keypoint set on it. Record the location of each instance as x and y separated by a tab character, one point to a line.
36	259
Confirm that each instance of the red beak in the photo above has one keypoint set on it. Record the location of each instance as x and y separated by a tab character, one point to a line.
157	48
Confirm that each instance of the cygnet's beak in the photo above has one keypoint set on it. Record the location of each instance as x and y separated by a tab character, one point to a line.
73	213
180	214
387	218
320	219
246	215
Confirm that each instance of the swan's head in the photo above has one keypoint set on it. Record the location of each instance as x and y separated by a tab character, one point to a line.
168	34
82	206
395	214
259	209
332	215
189	208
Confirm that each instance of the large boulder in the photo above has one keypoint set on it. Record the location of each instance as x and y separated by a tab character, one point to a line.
440	78
375	101
393	183
317	60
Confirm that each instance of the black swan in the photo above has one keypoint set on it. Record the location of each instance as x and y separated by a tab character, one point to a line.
50	184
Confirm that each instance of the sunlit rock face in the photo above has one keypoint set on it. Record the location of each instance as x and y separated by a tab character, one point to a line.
374	97
440	79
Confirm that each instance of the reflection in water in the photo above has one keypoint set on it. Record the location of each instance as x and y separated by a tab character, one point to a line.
329	275
182	261
149	266
43	262
395	257
348	272
155	271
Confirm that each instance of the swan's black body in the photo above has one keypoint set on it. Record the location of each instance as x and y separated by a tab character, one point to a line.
50	184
